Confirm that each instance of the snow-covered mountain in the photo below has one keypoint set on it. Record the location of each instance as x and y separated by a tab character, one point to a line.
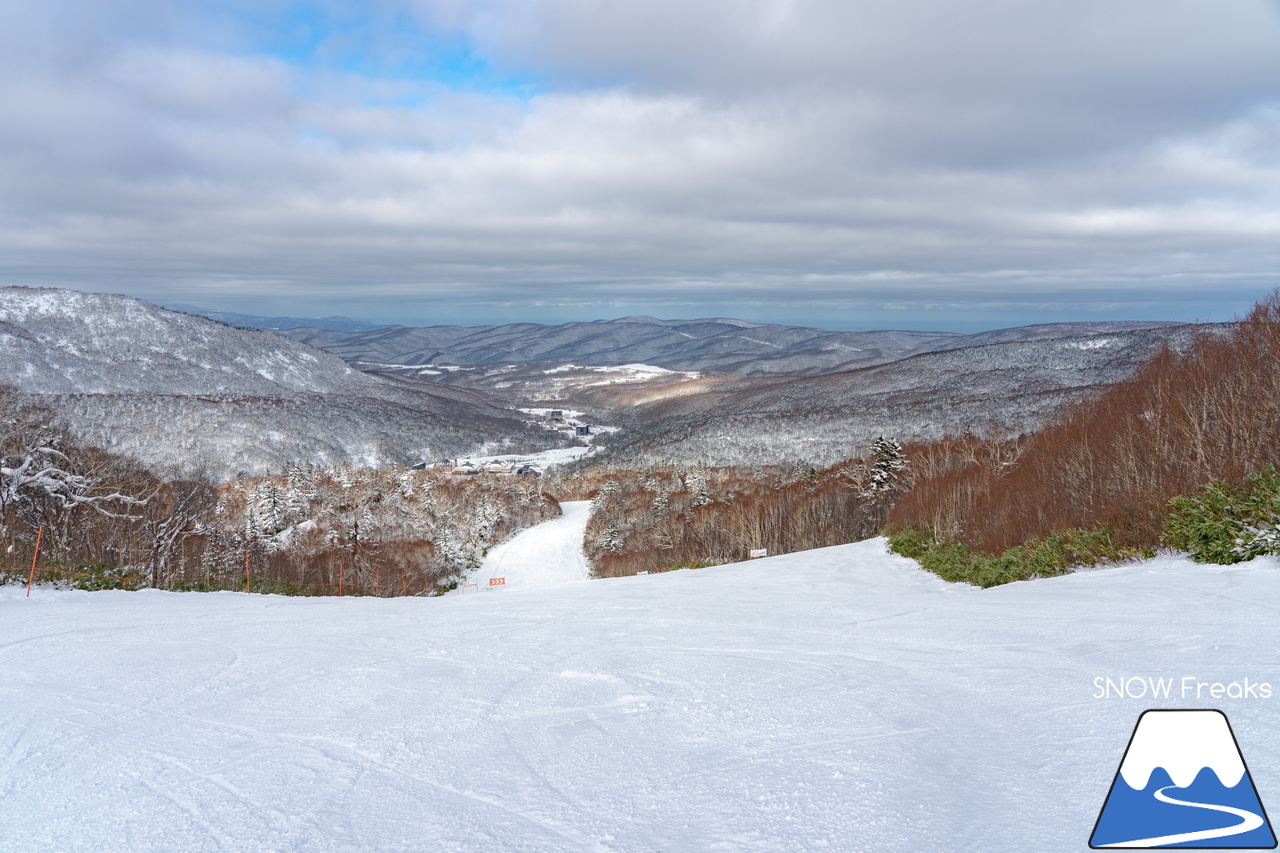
723	346
172	388
823	419
1183	782
65	342
1183	743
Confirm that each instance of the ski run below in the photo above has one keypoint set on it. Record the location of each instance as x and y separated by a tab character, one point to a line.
832	700
546	553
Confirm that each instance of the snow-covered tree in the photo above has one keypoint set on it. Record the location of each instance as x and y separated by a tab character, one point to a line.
661	502
696	482
270	508
612	539
888	466
40	474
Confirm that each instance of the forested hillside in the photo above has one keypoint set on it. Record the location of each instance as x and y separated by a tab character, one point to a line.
1001	387
1018	460
1126	470
657	518
102	520
721	346
174	390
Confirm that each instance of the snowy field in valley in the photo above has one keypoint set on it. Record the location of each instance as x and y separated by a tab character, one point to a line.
834	700
541	461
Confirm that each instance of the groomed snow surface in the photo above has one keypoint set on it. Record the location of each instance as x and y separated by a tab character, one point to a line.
834	700
545	554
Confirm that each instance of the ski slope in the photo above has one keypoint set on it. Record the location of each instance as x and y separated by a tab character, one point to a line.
834	700
547	553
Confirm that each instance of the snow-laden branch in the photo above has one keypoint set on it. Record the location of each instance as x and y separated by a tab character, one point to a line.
41	473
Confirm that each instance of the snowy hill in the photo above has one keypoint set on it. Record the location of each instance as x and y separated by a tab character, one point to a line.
66	342
839	700
724	346
175	389
745	393
823	419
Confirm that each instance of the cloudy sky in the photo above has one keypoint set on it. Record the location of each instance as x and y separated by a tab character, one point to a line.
837	163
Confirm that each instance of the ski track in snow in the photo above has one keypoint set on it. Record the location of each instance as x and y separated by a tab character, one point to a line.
833	700
547	553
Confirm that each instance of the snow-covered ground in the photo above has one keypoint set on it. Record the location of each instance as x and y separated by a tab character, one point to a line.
546	458
834	700
623	372
547	553
541	413
541	461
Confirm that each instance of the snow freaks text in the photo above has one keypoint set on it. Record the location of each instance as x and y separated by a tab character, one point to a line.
1174	687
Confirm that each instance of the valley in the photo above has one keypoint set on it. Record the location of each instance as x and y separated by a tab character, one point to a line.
180	391
691	460
639	426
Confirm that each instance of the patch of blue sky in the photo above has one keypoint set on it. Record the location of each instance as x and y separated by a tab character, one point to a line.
382	44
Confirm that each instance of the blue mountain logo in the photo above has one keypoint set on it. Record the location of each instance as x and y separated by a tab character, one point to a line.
1183	783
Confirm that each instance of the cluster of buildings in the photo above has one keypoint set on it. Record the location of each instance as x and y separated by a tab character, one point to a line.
556	420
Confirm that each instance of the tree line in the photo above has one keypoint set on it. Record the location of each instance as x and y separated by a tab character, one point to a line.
103	520
661	517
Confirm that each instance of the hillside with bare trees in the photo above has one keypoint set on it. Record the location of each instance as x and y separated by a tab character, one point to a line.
92	519
662	517
1012	387
1120	463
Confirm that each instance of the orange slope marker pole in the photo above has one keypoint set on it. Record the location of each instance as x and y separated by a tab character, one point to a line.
32	575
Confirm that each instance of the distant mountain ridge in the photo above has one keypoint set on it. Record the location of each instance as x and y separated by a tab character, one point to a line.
723	346
177	389
750	393
1004	385
256	321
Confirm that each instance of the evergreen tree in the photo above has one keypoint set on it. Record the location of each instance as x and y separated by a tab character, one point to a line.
697	484
660	503
888	464
612	539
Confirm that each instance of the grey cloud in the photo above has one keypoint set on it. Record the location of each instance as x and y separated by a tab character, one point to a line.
780	153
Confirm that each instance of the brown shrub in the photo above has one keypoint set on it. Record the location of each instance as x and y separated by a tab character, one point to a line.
1184	419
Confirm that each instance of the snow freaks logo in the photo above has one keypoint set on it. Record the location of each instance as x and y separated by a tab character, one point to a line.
1183	783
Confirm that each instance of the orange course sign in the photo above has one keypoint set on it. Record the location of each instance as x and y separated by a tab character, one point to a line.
497	581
